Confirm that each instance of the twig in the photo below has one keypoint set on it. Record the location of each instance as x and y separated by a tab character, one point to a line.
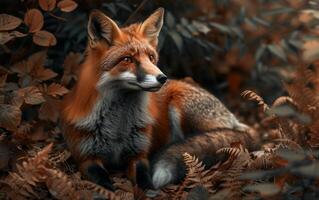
57	17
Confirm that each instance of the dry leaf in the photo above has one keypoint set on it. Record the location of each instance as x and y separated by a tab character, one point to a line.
9	22
33	69
31	95
7	36
67	5
56	89
44	38
43	74
49	110
47	5
34	20
10	116
17	99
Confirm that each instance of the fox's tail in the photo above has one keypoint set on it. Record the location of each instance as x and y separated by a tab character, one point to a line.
168	166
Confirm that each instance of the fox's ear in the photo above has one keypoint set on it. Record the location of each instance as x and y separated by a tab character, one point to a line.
151	27
102	27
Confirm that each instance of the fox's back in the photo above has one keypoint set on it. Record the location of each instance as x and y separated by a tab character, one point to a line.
183	109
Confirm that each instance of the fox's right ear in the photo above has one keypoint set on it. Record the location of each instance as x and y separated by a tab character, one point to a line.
101	27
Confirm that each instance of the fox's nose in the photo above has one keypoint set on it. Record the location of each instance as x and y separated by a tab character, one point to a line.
161	78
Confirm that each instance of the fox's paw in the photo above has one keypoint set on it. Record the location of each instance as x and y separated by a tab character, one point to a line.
100	176
162	175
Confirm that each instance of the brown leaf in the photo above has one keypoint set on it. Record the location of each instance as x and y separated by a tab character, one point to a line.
17	99
47	5
7	36
9	22
44	74
31	95
56	89
33	67
44	38
10	116
49	110
34	20
67	5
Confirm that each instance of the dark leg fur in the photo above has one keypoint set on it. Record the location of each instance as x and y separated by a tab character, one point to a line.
100	176
143	177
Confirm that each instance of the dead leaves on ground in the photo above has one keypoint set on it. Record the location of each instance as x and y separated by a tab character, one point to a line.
31	90
34	20
37	172
67	5
9	22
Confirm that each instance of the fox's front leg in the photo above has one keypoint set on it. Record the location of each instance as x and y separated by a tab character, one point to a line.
139	173
94	171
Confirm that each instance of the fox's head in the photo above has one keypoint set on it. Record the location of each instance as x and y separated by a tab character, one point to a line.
125	57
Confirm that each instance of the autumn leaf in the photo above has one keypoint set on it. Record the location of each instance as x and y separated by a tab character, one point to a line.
43	74
47	5
9	22
17	99
10	116
67	5
49	110
7	36
44	38
32	69
34	20
56	89
31	95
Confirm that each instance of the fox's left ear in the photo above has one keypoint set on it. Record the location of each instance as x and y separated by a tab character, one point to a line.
151	27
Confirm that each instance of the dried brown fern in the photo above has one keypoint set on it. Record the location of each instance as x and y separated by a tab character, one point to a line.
252	96
263	160
195	175
60	186
284	100
28	174
304	90
230	177
98	190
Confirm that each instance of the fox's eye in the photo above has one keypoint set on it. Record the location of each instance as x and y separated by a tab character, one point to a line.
152	58
127	59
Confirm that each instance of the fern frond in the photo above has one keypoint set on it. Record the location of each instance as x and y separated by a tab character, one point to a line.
29	173
60	186
252	96
284	100
264	160
230	177
196	173
109	195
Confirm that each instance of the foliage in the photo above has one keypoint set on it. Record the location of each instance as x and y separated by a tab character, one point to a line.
222	44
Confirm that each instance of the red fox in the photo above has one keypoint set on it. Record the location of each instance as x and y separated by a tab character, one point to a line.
123	109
